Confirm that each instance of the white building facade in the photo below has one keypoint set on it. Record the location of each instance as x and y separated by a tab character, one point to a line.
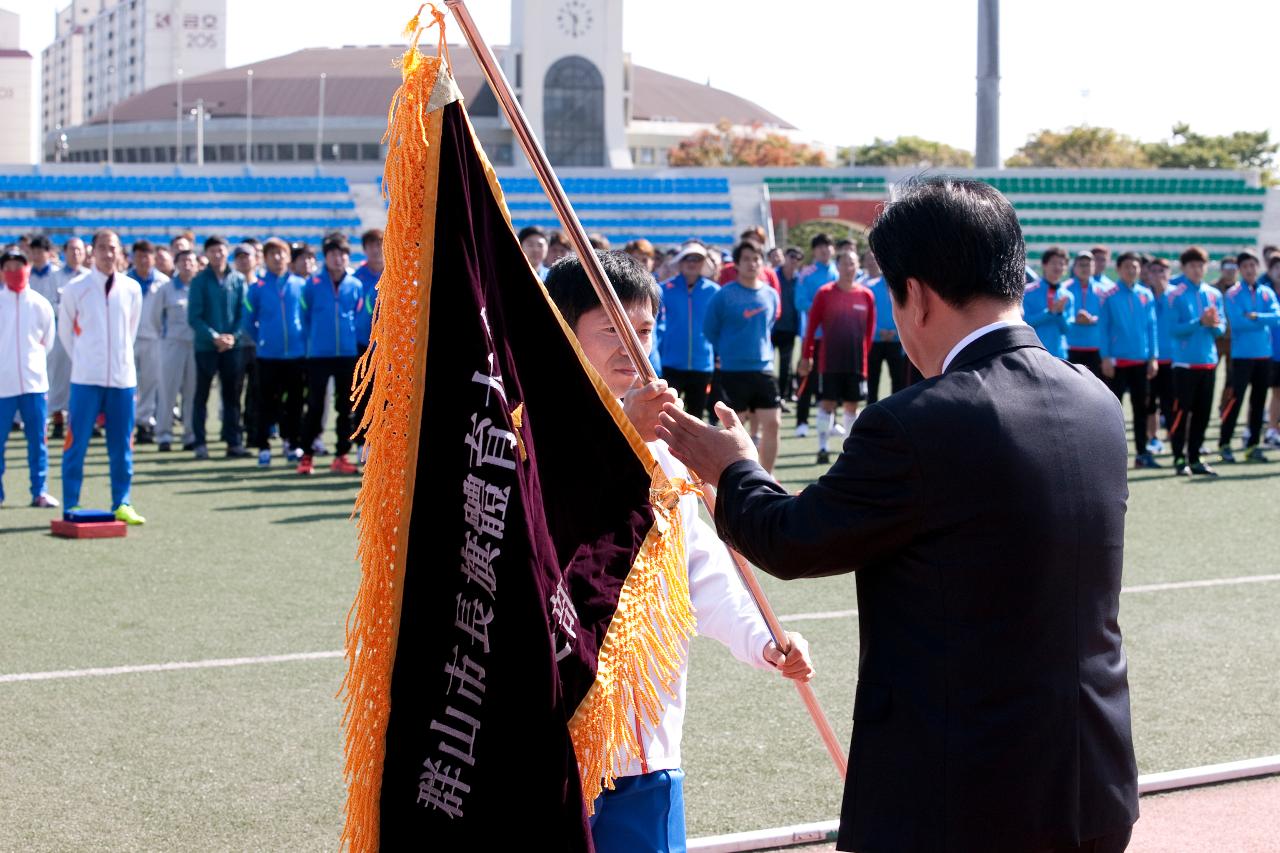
16	83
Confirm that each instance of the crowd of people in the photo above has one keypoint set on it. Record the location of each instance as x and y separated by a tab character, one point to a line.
128	344
729	326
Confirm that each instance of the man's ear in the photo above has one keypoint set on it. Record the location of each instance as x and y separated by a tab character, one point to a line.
919	301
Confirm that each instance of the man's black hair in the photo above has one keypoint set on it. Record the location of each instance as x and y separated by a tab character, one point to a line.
39	241
531	231
215	240
743	246
573	294
298	250
144	246
1248	255
959	237
820	240
335	241
1128	256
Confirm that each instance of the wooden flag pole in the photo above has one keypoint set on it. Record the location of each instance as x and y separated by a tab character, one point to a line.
618	316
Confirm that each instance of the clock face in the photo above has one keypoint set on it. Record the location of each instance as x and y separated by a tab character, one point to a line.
574	18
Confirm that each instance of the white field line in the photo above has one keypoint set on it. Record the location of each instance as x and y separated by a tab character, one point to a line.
164	667
215	663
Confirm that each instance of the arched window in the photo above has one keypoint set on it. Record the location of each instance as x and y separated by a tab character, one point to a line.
573	113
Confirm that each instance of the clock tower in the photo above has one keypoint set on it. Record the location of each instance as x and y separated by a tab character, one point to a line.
570	74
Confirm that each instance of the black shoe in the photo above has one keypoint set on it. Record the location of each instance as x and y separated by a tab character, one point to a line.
97	433
201	452
164	447
1202	469
237	452
188	445
824	458
786	410
1226	455
56	432
1145	460
1255	454
1180	468
144	435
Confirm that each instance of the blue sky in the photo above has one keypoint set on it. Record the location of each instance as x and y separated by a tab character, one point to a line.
847	72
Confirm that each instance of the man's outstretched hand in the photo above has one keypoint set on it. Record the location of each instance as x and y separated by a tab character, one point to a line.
702	447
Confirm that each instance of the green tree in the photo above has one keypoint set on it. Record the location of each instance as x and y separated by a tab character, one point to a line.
836	229
1243	149
906	151
725	146
1081	147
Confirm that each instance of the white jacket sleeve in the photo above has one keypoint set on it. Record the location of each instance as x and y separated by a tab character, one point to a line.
721	602
135	316
48	335
67	320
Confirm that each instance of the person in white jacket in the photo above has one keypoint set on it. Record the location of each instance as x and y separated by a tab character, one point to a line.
26	332
97	323
645	810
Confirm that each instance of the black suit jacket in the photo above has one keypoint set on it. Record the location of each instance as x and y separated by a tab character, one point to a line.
983	511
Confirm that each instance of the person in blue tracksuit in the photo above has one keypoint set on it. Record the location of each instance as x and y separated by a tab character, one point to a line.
886	349
821	272
1128	343
1047	307
1160	388
330	302
1199	320
687	356
1252	314
273	320
1082	335
369	273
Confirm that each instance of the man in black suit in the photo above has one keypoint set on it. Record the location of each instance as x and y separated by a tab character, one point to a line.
983	511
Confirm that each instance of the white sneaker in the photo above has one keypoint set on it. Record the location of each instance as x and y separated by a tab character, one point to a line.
837	428
1273	438
1155	445
802	430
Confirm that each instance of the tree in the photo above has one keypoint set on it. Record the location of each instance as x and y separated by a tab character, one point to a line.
1081	147
836	229
726	147
1187	150
907	151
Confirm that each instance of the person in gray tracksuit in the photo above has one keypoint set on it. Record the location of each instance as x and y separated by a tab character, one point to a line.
166	319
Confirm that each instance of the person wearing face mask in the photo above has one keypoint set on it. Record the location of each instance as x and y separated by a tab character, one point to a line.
27	330
97	322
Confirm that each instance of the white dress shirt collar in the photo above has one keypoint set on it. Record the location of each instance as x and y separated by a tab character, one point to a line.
973	336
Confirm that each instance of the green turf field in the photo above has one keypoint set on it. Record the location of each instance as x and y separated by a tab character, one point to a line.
241	563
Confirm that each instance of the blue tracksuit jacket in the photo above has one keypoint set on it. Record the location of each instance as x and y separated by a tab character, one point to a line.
1088	298
1052	328
369	298
1252	338
273	316
1127	329
1195	344
684	312
329	315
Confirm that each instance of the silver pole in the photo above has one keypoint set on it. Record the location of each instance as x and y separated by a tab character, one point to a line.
248	115
111	116
987	150
200	132
179	156
320	120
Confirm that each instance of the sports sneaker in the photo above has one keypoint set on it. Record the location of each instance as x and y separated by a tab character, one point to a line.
837	428
264	458
340	465
304	466
824	458
45	500
56	433
1203	469
1155	445
128	515
802	430
1225	454
1273	438
201	452
1180	468
1256	455
318	448
1145	460
164	446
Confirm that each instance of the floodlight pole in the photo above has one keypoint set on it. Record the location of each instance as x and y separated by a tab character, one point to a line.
987	148
618	316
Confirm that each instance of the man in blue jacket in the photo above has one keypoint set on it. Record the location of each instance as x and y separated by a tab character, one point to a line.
886	349
1252	313
1160	397
273	319
1198	321
812	279
1128	344
1047	307
687	357
214	308
1082	335
330	302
